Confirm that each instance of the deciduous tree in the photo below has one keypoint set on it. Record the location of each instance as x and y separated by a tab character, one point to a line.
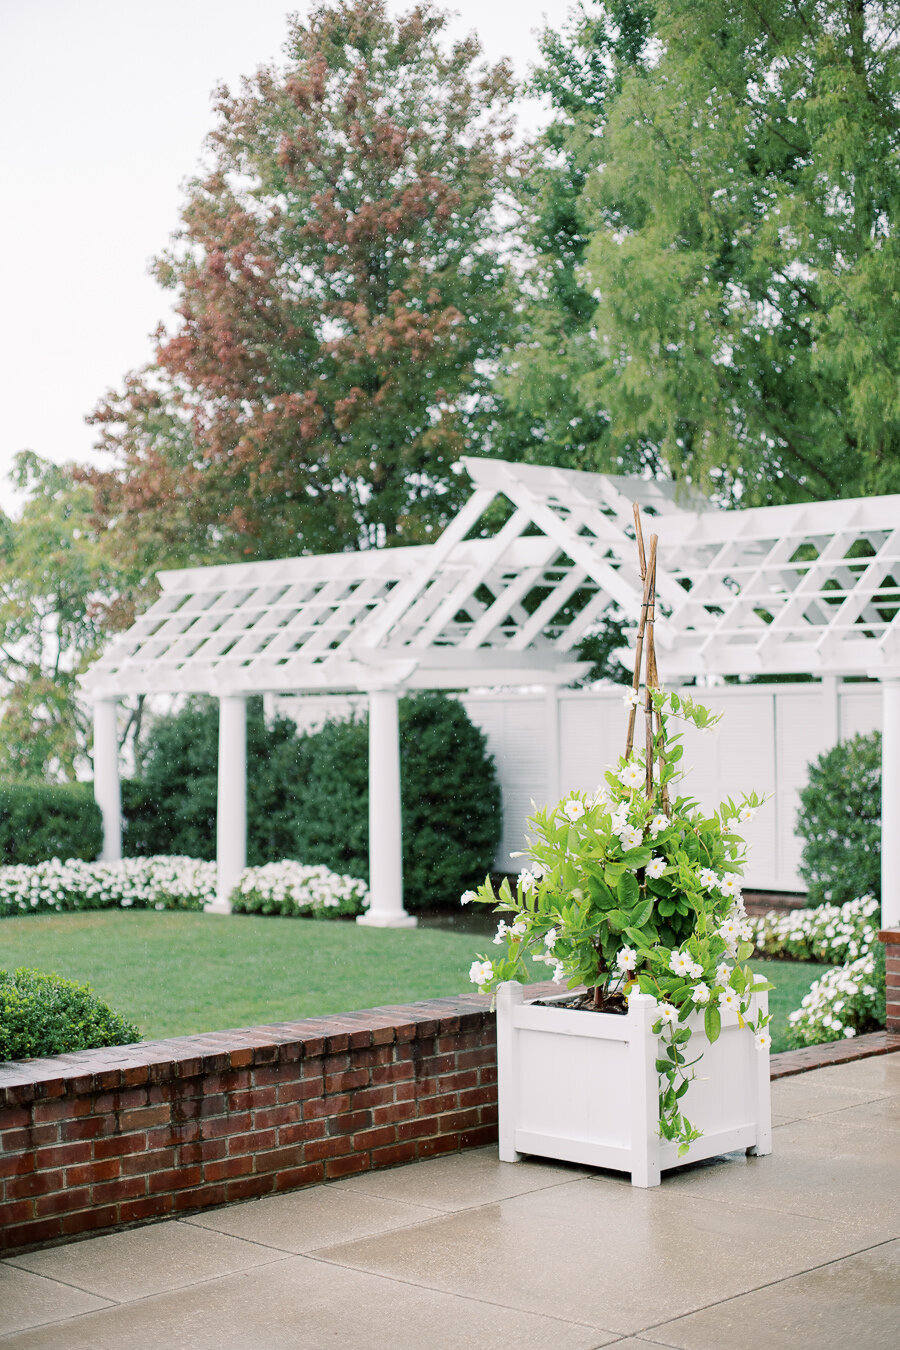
745	247
341	295
58	594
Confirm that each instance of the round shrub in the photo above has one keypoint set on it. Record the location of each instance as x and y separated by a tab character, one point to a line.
451	800
452	811
46	820
308	795
840	822
171	809
44	1014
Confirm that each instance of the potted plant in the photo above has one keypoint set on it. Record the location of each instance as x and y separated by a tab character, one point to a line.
658	1053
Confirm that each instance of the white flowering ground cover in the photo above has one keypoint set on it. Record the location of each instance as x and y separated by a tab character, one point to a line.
286	888
298	891
847	999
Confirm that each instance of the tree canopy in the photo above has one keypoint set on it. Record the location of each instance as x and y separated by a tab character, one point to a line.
735	317
341	294
59	595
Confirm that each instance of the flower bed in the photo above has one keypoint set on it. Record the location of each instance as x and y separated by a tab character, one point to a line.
832	933
286	888
846	1000
55	887
297	891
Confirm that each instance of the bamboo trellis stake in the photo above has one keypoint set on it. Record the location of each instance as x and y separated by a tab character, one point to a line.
645	655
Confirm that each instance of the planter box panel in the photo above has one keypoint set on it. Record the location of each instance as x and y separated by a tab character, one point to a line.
586	1082
723	1093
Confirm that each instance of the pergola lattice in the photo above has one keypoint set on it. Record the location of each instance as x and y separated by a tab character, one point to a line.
809	588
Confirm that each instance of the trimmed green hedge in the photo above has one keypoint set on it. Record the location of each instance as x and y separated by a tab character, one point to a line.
840	822
308	795
44	1014
48	820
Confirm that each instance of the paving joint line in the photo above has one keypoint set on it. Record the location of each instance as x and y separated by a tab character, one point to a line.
767	1284
451	1293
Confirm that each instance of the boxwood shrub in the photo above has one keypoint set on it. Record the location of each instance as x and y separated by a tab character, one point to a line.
840	822
43	1014
308	795
48	820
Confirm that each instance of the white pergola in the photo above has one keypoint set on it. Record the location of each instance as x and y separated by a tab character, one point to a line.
810	588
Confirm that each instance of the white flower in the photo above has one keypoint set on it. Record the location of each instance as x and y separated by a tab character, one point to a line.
656	867
680	962
630	838
729	930
849	1031
729	999
632	775
527	880
668	1013
550	939
701	993
631	699
480	972
626	959
559	973
707	877
601	797
573	809
519	928
658	824
467	897
763	1040
696	970
501	933
746	815
729	886
619	819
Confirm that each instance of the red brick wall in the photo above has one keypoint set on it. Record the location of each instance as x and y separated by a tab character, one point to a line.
891	940
101	1138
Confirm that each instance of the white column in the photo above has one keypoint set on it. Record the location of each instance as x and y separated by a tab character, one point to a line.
106	777
551	696
890	803
385	819
231	810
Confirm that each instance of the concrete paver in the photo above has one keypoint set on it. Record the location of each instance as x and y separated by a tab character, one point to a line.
307	1219
799	1249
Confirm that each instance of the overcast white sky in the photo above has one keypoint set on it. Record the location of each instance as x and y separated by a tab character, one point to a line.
104	105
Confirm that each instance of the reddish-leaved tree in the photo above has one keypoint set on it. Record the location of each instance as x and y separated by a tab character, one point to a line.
342	294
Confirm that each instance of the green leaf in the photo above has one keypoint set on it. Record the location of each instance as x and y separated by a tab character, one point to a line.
712	1021
641	913
628	891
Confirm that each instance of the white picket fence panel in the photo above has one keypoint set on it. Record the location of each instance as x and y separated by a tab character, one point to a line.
765	742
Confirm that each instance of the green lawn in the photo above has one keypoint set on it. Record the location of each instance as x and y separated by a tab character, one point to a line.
178	973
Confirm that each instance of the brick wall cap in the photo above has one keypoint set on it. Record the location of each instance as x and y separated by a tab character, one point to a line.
114	1067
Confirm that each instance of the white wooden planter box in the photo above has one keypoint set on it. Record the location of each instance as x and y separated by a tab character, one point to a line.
583	1087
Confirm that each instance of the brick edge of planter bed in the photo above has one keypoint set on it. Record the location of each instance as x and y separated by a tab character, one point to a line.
104	1139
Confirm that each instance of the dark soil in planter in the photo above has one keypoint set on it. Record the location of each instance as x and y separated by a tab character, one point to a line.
584	1002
